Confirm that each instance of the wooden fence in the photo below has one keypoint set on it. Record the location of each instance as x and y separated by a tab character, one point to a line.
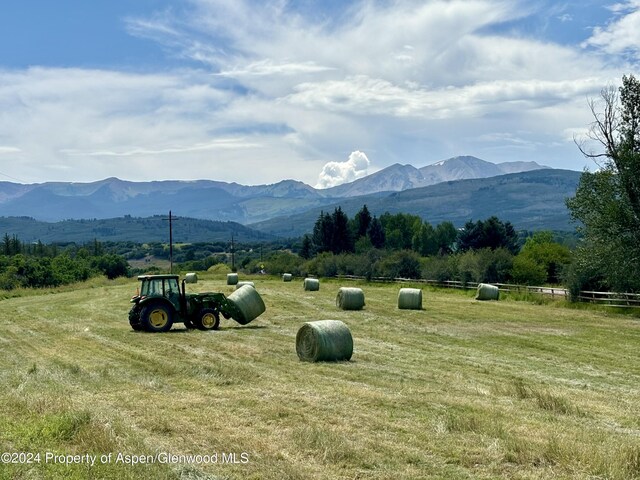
607	299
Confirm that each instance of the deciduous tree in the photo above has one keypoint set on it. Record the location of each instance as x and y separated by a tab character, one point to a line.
607	201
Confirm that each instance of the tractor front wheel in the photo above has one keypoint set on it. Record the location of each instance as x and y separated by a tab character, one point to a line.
136	325
208	319
134	319
156	317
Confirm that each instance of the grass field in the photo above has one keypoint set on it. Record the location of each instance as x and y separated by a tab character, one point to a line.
461	389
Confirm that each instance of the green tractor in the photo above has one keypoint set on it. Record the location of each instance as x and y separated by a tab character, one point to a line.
160	303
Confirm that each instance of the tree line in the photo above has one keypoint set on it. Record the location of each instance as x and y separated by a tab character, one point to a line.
336	233
38	265
404	245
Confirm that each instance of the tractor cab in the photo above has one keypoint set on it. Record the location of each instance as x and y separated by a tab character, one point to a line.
165	286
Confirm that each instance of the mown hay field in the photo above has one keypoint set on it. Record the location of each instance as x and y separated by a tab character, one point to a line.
458	390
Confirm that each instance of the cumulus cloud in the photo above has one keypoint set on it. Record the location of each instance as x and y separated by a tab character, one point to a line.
337	173
622	34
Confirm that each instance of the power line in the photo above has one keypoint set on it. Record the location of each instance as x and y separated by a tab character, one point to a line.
12	178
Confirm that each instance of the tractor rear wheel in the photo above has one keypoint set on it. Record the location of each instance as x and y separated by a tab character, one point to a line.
156	317
208	319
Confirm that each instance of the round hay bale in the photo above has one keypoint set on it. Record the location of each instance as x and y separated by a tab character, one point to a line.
311	284
410	299
324	340
350	298
232	278
287	277
243	283
487	292
247	304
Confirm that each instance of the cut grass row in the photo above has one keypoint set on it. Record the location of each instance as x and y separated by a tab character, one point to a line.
461	389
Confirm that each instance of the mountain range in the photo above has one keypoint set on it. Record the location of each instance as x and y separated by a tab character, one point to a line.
433	191
399	177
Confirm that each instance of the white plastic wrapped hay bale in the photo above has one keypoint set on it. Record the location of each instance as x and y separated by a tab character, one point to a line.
311	284
324	340
247	304
410	299
287	277
487	292
243	283
350	298
232	278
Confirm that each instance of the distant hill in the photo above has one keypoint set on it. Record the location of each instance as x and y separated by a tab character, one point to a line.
533	200
140	230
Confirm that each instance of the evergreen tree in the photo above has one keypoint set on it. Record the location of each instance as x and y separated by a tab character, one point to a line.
362	221
97	248
376	233
6	245
341	235
306	251
323	233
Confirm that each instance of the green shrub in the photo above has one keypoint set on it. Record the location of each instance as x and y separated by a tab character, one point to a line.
526	271
402	264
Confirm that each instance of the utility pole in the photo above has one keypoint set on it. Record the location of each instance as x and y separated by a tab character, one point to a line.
233	256
170	242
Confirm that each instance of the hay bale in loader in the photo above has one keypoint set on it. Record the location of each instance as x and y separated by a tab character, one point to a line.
247	304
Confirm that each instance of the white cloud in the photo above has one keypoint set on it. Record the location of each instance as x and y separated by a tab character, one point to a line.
267	67
622	34
337	173
8	149
230	143
366	96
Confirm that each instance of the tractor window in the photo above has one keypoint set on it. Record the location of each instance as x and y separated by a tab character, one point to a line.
171	287
151	287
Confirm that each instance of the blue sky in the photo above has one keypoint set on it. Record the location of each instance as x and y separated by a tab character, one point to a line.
322	92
